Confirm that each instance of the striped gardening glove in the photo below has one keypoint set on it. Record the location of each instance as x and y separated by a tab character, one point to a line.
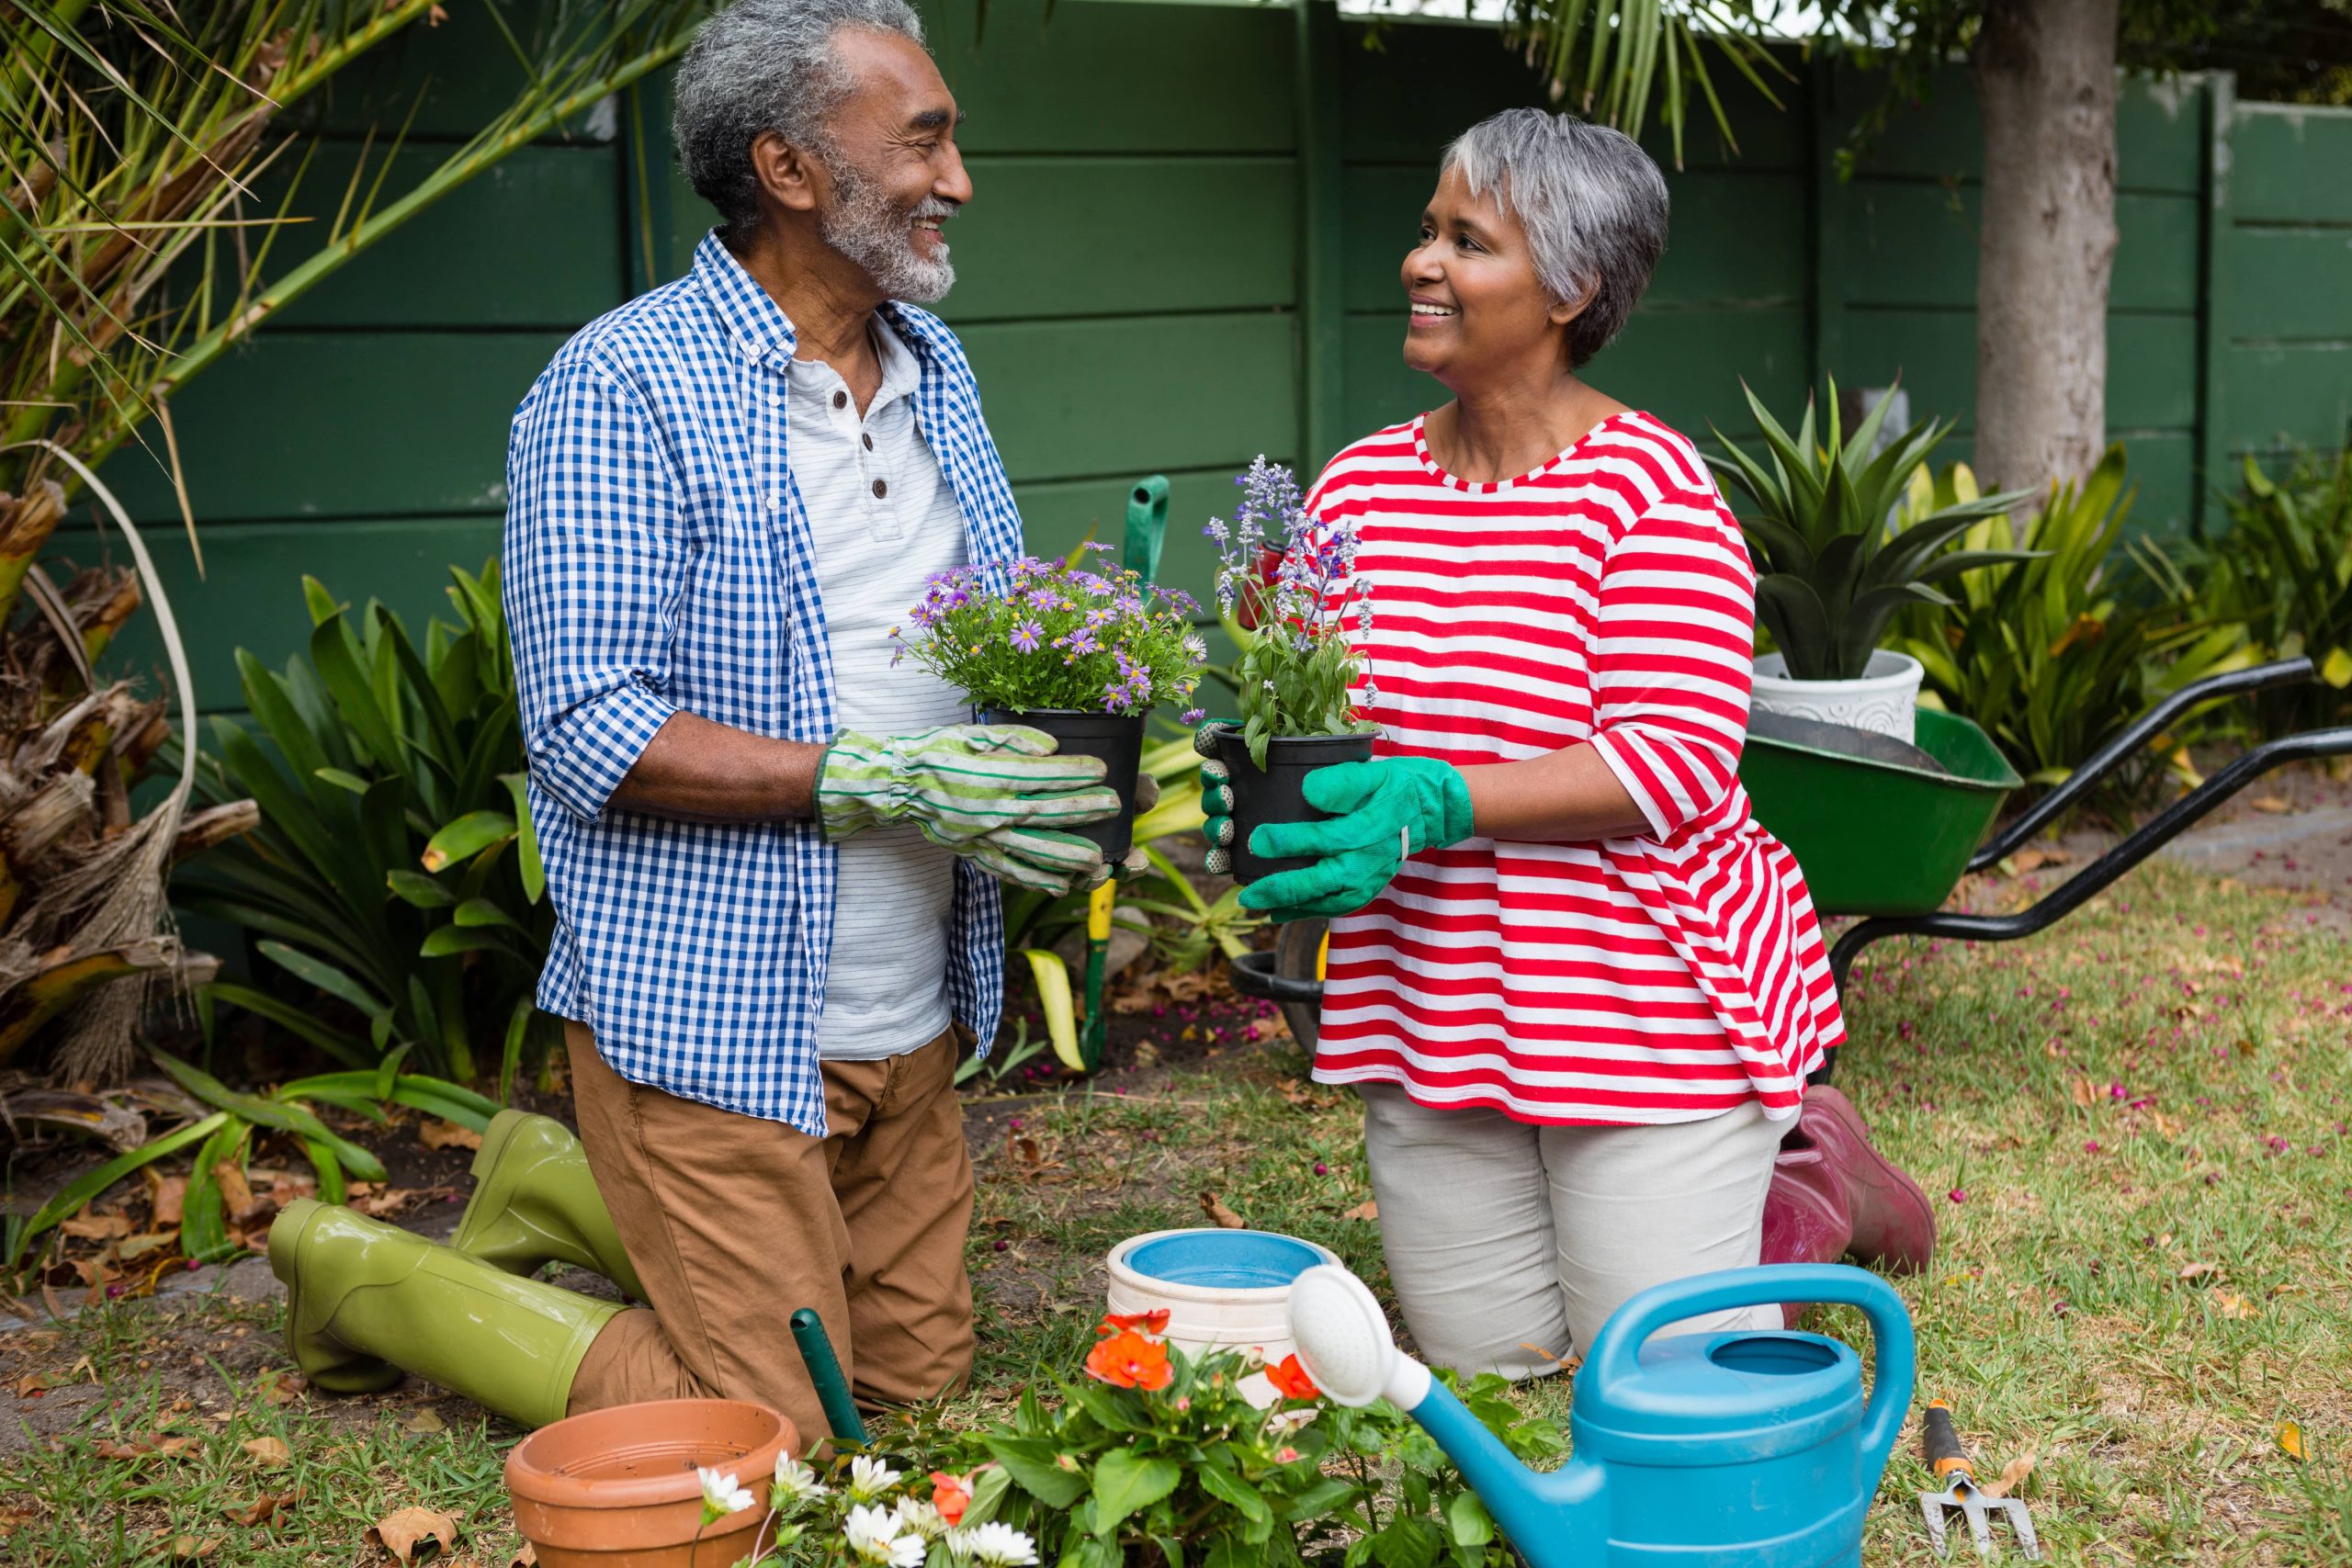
995	793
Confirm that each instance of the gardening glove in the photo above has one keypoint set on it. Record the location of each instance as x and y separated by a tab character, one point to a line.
1137	864
994	793
1217	799
1381	811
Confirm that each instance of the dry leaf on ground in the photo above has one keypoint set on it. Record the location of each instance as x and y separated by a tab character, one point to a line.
2012	1474
2232	1305
436	1133
425	1421
2290	1441
2197	1270
280	1388
2275	805
525	1556
1367	1210
271	1451
97	1227
261	1509
158	1447
188	1549
168	1194
2079	1091
1219	1214
2025	861
13	1519
407	1533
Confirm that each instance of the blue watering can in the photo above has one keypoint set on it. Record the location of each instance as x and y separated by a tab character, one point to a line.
1705	1451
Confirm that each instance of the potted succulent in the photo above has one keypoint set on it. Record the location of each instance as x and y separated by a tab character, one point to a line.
1081	654
1831	573
1295	674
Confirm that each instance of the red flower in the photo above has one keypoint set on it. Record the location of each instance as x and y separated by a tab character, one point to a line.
951	1495
1128	1359
1291	1380
1119	1322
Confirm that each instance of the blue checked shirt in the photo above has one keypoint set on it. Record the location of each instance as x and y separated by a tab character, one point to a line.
658	557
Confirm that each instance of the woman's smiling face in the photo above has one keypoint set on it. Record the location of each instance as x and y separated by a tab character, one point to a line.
1475	298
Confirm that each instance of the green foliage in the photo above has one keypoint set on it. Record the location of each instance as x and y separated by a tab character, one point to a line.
395	868
1194	1471
2044	652
2285	569
1058	637
1608	60
1830	573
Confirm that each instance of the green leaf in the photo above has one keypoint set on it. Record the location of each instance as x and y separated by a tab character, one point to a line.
1467	1519
448	941
271	1113
333	1041
324	976
416	888
476	912
1242	1497
71	1199
336	655
1032	1462
467	837
535	876
341	779
1125	1481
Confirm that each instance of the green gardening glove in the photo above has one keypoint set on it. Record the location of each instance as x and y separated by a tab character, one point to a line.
1381	811
994	793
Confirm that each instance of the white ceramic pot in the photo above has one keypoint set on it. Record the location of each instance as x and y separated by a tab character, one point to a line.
1885	699
1223	1290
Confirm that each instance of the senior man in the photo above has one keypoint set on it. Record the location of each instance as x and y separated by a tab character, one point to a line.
771	851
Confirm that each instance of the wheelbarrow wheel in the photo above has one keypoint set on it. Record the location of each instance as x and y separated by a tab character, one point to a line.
1298	955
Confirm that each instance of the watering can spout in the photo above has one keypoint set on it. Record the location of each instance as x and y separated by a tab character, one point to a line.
1559	1520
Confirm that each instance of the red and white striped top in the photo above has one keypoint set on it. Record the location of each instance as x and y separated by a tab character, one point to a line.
1604	598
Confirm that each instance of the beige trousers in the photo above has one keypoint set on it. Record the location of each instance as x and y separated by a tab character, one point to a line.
1509	1244
734	1224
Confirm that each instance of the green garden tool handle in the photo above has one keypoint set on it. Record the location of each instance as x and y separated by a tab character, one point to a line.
1146	526
825	1371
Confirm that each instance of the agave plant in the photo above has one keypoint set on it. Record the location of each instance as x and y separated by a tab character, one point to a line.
1830	573
395	870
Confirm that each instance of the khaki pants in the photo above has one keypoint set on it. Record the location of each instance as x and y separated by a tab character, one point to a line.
1509	1245
734	1224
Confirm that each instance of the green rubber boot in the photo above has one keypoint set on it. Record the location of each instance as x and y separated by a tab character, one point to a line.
534	1202
366	1301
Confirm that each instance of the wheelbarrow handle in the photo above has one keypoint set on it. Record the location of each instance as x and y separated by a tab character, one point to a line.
1254	977
2125	745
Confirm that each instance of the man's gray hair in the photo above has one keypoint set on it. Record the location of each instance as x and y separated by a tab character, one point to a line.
761	66
1592	202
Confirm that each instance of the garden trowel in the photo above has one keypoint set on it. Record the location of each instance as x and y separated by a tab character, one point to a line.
1949	1458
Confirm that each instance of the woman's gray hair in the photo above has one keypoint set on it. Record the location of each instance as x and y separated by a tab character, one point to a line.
1592	202
761	66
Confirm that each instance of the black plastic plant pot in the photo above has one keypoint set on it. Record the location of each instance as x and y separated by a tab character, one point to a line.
1278	791
1117	738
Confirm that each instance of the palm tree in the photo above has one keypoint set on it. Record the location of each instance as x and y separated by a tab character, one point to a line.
130	138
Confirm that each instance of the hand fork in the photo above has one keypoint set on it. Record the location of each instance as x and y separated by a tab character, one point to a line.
1945	1454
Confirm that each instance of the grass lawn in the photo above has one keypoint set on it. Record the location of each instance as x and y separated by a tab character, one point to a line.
2138	1117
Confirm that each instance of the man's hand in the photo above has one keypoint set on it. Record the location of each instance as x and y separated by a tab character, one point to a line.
1381	811
996	794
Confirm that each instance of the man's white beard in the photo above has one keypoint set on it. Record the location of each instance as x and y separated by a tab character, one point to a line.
870	229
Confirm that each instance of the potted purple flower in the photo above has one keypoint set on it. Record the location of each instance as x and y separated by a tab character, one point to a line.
1293	579
1081	654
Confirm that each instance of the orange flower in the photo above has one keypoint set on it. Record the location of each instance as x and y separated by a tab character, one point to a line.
1128	1359
1150	1322
951	1495
1290	1379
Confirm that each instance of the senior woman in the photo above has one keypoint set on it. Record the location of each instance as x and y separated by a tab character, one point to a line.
1578	988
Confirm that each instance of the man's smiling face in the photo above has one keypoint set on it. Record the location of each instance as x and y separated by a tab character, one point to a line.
893	167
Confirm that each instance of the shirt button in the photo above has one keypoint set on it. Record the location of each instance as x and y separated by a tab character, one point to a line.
841	400
869	442
881	489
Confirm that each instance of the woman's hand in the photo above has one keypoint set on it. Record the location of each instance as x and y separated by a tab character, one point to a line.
1382	810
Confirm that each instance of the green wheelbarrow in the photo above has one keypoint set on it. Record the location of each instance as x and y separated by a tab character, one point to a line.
1886	832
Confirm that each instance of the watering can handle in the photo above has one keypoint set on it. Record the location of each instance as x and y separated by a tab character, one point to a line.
1617	1348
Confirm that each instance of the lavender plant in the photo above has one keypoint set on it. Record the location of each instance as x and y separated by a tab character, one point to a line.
1057	636
1293	675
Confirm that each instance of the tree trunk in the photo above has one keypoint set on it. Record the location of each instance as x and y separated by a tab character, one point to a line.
2045	78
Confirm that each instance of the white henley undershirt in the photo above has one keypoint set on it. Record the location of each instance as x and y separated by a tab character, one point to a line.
882	518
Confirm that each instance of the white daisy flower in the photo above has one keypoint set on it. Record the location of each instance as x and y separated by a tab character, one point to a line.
872	1536
795	1484
720	1495
870	1477
999	1545
921	1517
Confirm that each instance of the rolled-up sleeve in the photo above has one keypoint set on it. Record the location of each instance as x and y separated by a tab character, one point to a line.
594	568
1672	660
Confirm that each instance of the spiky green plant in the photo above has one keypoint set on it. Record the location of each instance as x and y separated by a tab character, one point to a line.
1830	573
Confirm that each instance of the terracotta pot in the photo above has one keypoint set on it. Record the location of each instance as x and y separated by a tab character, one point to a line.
616	1488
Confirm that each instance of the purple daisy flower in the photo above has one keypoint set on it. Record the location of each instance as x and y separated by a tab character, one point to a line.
1027	635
